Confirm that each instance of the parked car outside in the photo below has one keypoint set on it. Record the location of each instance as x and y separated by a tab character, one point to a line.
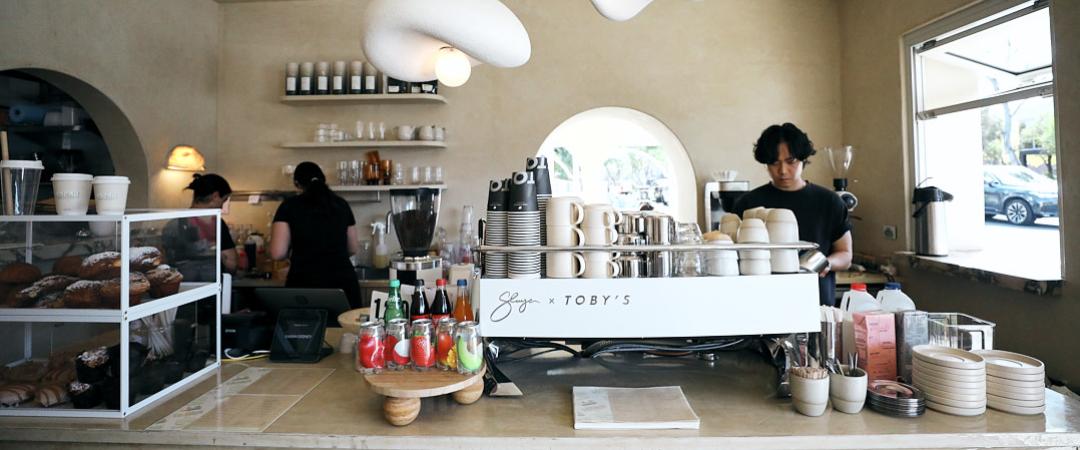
1019	193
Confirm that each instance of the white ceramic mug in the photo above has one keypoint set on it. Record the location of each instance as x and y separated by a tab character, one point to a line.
565	236
426	133
600	265
810	396
600	215
565	265
848	393
600	236
565	211
404	132
72	192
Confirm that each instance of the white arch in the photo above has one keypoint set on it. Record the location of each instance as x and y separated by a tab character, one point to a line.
617	126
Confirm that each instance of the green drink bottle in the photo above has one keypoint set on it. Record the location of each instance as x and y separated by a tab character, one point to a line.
395	308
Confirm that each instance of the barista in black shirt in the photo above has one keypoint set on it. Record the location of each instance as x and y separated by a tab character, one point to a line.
189	243
822	216
319	229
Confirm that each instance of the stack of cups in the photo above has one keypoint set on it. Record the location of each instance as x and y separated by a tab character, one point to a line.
495	228
523	226
564	214
754	262
722	263
783	229
19	181
72	192
538	168
598	226
729	224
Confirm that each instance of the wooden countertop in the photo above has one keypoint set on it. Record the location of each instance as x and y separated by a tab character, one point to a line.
327	405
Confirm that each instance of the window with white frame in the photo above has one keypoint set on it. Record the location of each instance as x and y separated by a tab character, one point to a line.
982	114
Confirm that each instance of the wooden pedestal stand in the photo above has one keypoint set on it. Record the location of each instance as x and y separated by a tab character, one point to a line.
403	390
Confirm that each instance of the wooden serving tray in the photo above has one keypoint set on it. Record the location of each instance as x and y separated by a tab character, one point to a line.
403	390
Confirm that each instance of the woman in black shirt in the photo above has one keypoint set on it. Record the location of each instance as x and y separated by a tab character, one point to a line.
319	229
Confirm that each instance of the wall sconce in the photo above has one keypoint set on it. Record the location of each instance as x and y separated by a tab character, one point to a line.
186	157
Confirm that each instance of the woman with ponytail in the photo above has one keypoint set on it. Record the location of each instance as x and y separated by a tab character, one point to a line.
316	231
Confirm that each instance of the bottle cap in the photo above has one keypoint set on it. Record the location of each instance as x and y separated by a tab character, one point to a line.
854	286
440	282
419	282
892	285
462	282
395	283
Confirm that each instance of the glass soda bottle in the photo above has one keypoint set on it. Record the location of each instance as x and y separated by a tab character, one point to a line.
419	309
422	351
462	307
395	307
440	307
469	347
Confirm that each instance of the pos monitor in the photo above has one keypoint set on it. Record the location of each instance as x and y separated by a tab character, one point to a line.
302	316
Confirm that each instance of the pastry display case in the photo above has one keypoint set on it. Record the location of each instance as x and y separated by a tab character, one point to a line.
113	312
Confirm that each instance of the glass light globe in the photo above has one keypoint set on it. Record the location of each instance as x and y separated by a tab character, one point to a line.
452	67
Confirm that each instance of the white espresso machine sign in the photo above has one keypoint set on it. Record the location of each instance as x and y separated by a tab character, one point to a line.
649	307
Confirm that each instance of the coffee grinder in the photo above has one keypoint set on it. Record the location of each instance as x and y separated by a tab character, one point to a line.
840	160
721	194
415	214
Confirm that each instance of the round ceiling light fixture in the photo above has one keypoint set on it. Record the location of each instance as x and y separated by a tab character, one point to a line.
452	67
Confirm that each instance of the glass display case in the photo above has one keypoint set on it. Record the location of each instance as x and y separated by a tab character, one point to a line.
113	312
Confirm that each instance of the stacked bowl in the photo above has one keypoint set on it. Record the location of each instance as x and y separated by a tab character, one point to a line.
783	228
1014	382
953	380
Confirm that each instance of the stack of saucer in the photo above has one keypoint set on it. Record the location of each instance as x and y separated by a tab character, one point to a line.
953	380
495	228
1014	382
523	226
895	399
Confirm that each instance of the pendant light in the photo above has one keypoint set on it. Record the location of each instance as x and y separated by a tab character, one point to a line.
620	10
422	40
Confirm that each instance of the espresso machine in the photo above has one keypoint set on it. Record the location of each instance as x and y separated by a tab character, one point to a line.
414	214
720	196
840	161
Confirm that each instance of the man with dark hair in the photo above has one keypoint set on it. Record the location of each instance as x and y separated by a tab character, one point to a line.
822	216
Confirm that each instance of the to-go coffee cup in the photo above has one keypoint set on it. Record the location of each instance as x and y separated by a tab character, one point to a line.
72	192
110	194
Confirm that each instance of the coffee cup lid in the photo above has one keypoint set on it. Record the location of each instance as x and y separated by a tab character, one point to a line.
21	164
72	177
111	179
497	195
523	192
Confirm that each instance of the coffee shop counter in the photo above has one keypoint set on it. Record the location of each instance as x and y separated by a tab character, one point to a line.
327	405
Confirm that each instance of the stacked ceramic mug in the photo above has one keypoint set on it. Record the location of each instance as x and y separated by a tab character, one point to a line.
598	226
538	168
564	214
495	228
783	228
753	262
523	226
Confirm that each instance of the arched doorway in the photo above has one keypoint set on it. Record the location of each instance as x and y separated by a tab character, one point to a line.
624	157
103	143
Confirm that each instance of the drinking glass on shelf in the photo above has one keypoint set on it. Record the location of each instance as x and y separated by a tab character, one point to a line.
399	174
343	173
356	172
429	175
371	174
688	264
382	131
359	130
371	131
414	177
438	175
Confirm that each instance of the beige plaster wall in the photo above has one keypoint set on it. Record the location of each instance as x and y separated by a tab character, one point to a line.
156	61
872	119
715	72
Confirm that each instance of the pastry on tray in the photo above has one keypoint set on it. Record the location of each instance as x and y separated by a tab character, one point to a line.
137	286
83	294
144	259
90	366
100	266
67	265
84	395
12	394
19	273
164	281
52	394
29	296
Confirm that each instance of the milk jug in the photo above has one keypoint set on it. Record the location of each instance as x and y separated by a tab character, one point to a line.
892	299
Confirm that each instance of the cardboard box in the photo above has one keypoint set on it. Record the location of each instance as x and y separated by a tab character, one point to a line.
875	341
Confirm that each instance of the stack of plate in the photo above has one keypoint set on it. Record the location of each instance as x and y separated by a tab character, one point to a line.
895	399
1014	382
953	380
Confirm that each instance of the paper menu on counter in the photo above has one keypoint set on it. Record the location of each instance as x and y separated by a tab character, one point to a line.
655	408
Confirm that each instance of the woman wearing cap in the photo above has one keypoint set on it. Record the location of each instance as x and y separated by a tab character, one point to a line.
316	231
189	242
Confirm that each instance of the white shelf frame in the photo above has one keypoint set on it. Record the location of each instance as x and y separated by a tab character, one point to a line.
385	188
190	292
416	144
